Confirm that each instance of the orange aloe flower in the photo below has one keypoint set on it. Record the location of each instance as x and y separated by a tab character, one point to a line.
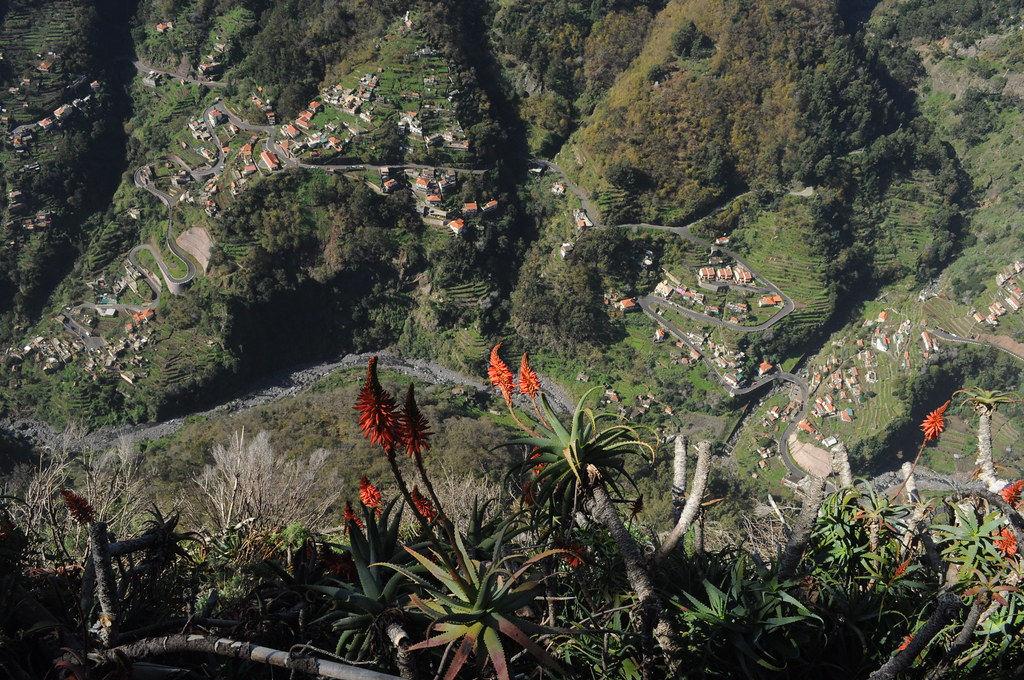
79	508
1007	543
934	423
572	551
901	569
1011	492
529	383
423	506
906	642
539	466
377	418
414	427
500	374
369	494
350	516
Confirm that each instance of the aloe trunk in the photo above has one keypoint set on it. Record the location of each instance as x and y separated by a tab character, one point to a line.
987	467
654	617
679	476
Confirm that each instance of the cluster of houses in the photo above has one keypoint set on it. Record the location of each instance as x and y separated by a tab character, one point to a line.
123	355
264	105
432	190
713	278
840	385
1009	290
21	228
430	124
738	310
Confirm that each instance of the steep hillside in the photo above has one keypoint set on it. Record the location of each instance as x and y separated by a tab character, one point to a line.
726	95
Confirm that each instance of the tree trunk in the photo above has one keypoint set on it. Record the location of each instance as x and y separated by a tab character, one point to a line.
209	644
655	619
794	550
963	639
947	607
693	501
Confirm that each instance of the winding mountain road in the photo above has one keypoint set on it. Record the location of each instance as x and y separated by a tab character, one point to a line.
650	303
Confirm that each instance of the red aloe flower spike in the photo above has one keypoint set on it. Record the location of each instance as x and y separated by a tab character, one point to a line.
369	494
901	569
422	505
934	423
907	639
350	516
79	508
1011	492
1007	543
377	418
415	428
529	383
500	375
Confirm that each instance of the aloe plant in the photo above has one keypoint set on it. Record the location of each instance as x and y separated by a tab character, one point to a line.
473	603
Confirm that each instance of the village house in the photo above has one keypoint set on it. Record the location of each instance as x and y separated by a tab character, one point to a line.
558	189
722	241
45	66
164	26
389	185
434	199
627	305
565	250
769	301
490	207
457	226
470	209
659	335
269	161
765	367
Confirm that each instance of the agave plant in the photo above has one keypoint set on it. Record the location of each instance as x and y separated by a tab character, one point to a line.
474	603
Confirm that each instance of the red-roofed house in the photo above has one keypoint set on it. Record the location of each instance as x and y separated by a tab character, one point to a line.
470	209
764	368
434	199
290	131
490	206
806	427
628	305
269	160
457	226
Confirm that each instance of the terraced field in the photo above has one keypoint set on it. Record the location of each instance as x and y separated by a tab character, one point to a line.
465	295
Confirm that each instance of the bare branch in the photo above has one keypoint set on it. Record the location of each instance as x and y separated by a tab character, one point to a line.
209	644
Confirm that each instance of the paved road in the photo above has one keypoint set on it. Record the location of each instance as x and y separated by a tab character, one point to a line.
143	67
971	341
648	302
